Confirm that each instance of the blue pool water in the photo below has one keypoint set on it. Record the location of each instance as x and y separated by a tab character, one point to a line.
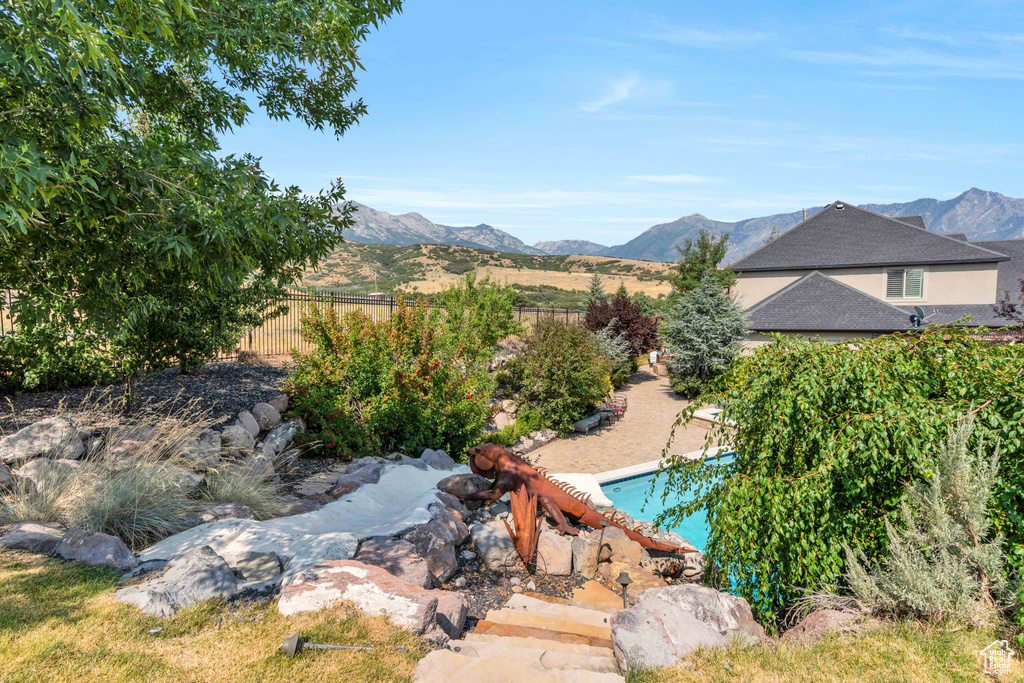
629	495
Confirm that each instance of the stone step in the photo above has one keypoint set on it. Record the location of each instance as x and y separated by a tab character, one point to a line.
539	644
521	618
594	593
579	615
517	631
546	660
445	666
574	603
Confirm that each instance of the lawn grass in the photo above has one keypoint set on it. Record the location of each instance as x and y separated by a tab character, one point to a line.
59	623
897	652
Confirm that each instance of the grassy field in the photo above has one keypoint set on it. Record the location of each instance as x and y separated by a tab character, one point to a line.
429	268
59	623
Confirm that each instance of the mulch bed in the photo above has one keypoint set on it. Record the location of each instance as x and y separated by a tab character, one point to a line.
224	388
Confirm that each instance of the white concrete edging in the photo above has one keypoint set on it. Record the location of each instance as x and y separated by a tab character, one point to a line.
653	465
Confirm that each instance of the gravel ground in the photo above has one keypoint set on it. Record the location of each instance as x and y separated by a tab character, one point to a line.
224	388
487	589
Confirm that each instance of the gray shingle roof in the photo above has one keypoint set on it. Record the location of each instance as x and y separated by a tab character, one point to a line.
1010	272
850	236
818	303
916	221
981	315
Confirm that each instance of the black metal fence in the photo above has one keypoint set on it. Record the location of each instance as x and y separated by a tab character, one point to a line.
278	336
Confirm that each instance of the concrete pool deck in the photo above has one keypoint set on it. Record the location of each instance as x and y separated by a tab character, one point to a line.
638	438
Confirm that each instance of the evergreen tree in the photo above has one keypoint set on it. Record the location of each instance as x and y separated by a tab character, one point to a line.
621	292
596	293
700	257
703	330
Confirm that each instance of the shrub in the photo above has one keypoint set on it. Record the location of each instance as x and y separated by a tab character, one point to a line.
703	332
625	319
526	423
478	314
562	374
617	351
402	383
689	386
943	561
52	356
827	435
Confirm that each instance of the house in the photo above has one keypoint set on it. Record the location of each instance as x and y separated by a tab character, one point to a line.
846	272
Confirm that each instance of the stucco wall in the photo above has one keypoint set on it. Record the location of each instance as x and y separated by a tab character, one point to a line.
962	283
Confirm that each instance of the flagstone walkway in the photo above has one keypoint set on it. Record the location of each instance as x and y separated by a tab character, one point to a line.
638	437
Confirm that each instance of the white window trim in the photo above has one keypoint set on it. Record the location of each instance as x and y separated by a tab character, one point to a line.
924	283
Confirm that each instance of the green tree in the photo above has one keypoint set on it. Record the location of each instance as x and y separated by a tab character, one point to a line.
479	313
596	293
700	256
621	292
115	206
826	437
703	330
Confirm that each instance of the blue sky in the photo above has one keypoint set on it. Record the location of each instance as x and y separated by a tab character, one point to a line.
592	119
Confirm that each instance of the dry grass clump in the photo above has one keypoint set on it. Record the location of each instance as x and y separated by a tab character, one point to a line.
250	357
244	484
137	484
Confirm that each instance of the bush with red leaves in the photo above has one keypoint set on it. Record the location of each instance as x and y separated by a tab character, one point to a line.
639	330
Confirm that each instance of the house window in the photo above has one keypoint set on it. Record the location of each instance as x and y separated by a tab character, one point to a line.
904	283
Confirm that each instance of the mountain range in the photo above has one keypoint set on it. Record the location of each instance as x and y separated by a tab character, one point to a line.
979	214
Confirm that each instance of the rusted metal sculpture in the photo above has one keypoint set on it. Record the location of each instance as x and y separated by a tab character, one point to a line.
509	472
527	525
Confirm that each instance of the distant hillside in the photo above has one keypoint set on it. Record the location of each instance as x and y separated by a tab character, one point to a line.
379	227
571	247
546	280
979	214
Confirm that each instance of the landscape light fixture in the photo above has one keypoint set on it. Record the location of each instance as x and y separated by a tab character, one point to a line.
294	644
624	581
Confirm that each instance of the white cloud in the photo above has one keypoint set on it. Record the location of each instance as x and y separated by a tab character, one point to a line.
619	91
679	178
668	32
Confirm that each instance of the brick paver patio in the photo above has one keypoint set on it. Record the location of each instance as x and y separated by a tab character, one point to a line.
638	437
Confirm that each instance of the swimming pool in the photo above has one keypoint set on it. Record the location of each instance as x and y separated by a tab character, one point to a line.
629	494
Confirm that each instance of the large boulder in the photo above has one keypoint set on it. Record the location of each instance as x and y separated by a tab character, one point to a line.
54	437
452	609
584	555
35	537
358	472
617	547
554	554
397	556
279	402
672	622
370	589
96	549
293	505
254	567
462	485
502	420
494	546
279	438
435	542
46	473
199	574
6	478
248	423
828	621
439	460
267	416
236	438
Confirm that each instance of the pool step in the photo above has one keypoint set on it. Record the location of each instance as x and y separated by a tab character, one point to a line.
580	615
